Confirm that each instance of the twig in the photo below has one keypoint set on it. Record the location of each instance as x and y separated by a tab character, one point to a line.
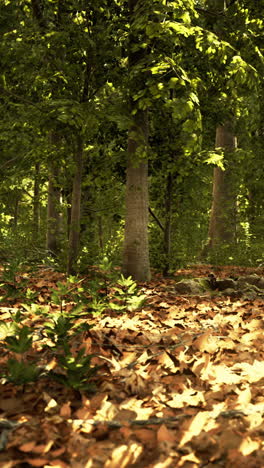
154	421
156	219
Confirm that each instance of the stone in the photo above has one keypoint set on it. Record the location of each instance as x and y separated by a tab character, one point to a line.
226	283
189	286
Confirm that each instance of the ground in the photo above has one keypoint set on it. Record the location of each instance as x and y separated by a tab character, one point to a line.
179	383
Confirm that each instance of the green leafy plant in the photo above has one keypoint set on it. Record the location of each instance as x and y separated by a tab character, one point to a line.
20	372
110	290
127	294
69	291
11	270
18	340
7	329
12	284
21	341
77	370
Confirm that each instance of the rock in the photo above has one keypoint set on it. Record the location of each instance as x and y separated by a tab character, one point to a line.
189	286
250	279
261	283
227	283
232	293
250	293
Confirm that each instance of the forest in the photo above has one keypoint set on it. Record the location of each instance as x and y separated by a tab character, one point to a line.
131	233
131	132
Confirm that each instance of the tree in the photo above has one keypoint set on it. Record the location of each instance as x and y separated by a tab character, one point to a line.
136	251
222	225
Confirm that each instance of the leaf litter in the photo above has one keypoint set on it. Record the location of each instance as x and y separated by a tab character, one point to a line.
179	384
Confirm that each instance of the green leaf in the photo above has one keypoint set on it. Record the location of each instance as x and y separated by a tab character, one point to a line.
20	373
20	343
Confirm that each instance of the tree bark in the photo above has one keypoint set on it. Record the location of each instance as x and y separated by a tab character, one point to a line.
16	210
54	201
222	227
36	202
136	247
136	250
74	236
167	225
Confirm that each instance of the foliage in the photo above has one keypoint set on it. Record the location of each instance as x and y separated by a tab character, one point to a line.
200	68
78	370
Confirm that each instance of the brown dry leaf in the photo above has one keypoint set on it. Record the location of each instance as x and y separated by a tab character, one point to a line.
124	456
189	461
27	447
58	452
244	397
51	403
165	360
165	435
125	415
65	410
41	284
229	439
37	461
248	446
43	448
11	405
41	299
146	436
164	305
57	464
206	342
195	427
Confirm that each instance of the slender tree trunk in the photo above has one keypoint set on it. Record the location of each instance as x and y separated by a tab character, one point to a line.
100	233
167	225
54	200
16	211
36	202
74	236
222	227
136	248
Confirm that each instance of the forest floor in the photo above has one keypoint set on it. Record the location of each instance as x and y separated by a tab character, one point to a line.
180	381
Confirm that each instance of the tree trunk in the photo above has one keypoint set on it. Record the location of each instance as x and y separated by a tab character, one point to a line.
222	227
136	253
36	202
167	225
74	236
136	248
16	211
54	200
100	233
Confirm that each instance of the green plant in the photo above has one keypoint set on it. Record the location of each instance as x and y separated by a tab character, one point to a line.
61	327
77	370
18	339
12	283
127	295
11	270
7	329
20	372
71	290
21	341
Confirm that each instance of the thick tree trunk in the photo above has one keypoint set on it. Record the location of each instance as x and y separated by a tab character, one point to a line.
54	201
74	236
222	227
136	248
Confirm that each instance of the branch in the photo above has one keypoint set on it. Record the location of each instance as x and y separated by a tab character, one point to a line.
156	219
